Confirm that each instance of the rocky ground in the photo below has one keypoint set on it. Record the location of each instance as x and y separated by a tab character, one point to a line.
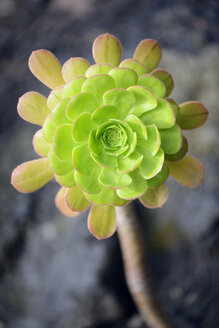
53	273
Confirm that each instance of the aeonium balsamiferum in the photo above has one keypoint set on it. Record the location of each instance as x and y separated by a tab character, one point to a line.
109	132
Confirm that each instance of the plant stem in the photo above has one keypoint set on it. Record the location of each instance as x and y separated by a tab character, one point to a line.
136	268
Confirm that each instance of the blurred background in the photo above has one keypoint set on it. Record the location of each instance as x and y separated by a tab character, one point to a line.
53	273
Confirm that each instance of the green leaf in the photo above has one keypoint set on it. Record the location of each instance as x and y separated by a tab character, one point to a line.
89	184
160	178
154	198
105	197
74	67
98	85
153	84
46	67
31	176
107	49
82	127
110	178
67	179
124	77
180	154
32	107
137	126
121	98
136	189
105	159
61	204
171	139
60	167
48	130
83	162
75	199
129	163
119	201
175	108
103	113
149	53
166	78
162	116
151	165
102	221
134	64
193	114
98	69
83	102
188	171
58	115
144	100
152	143
41	146
73	87
54	97
63	143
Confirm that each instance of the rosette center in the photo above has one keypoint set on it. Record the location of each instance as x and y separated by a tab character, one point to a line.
113	137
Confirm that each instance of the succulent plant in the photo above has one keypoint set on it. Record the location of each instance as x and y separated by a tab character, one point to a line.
109	132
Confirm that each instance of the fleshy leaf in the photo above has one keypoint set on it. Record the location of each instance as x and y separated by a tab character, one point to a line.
63	141
162	116
124	77
154	198
32	107
89	184
46	67
121	98
61	204
166	78
83	162
73	87
160	178
83	102
75	199
102	221
175	108
152	143
110	178
41	146
60	167
103	113
48	129
105	197
171	139
82	127
73	67
151	165
67	180
134	64
180	154
31	176
98	85
129	163
54	97
193	114
58	116
136	189
137	126
145	100
98	69
117	201
107	49
188	171
154	84
149	53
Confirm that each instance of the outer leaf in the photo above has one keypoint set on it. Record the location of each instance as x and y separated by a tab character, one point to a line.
60	167
73	87
175	108
152	143
136	189
54	97
151	165
105	197
102	221
41	146
193	114
166	78
89	184
67	179
134	64
74	67
154	198
98	69
31	176
75	199
180	154
83	102
188	171
61	205
171	139
154	84
83	162
124	77
121	98
46	67
110	178
48	129
149	53
107	49
145	100
58	116
63	143
32	107
160	178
